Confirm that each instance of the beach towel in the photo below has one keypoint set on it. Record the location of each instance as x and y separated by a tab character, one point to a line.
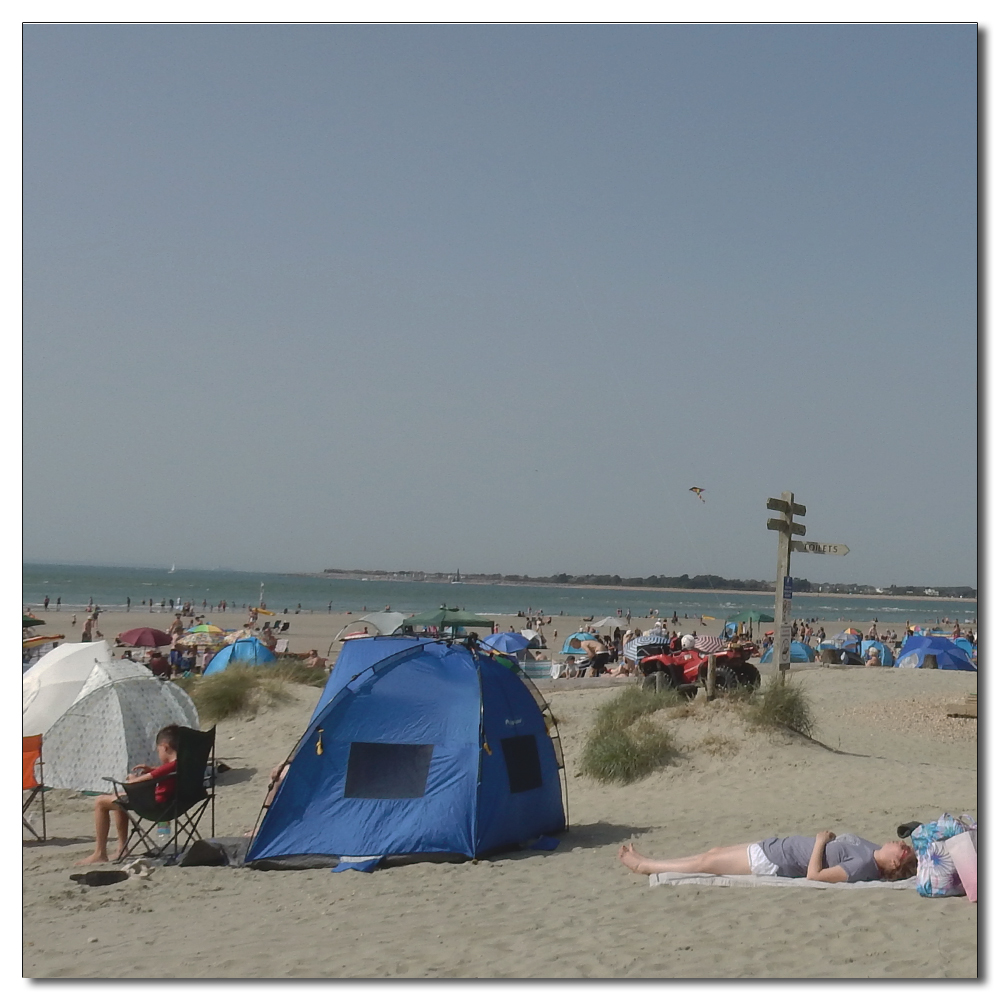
772	881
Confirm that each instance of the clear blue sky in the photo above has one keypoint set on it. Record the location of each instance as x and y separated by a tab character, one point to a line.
495	297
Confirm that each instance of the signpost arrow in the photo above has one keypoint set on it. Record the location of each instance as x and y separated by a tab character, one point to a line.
820	548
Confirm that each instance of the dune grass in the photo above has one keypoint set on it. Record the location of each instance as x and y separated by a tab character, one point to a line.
236	692
624	743
631	704
292	670
781	706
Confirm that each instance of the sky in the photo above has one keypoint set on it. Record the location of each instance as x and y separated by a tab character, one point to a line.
496	296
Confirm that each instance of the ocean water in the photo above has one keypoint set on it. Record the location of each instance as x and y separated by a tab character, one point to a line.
111	586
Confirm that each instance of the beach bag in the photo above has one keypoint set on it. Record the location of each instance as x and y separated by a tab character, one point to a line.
936	871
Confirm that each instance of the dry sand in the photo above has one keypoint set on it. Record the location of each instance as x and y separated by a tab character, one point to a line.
574	912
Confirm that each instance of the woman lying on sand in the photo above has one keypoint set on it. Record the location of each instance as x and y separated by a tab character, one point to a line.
823	858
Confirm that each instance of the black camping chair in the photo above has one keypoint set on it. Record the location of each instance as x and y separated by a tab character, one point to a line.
193	794
284	626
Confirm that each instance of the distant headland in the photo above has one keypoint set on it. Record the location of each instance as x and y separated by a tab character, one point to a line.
682	582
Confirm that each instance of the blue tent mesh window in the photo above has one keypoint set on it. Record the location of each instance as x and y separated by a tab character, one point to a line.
524	769
388	770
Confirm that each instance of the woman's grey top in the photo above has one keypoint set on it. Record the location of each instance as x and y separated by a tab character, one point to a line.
855	855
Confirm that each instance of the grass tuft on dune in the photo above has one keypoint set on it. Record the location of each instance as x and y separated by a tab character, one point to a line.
625	744
237	692
781	706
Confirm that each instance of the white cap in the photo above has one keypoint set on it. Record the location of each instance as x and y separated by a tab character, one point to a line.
687	642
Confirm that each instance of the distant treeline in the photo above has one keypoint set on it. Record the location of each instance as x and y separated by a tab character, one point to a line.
683	582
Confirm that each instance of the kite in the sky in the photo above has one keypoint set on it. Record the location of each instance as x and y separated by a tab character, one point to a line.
697	491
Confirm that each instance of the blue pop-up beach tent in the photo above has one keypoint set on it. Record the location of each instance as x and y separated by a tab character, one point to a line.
426	751
850	641
964	645
249	652
948	655
885	654
568	649
799	652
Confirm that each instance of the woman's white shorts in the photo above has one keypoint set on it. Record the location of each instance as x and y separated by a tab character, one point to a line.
759	865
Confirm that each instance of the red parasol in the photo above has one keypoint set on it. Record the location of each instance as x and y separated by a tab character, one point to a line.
145	637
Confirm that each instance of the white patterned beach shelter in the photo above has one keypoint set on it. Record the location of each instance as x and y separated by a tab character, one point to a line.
112	726
52	684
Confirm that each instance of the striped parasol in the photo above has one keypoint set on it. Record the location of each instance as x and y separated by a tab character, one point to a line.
631	647
709	644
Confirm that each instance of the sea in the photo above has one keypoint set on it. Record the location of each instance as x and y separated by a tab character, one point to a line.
110	587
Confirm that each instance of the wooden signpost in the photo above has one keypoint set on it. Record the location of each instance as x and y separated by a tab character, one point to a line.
820	548
786	527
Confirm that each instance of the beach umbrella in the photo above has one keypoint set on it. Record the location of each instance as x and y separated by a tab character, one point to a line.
850	631
206	628
446	617
30	621
534	638
145	637
506	642
192	640
610	622
709	644
241	633
631	648
52	684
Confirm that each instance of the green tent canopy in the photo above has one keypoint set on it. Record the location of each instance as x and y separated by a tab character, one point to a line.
446	617
30	621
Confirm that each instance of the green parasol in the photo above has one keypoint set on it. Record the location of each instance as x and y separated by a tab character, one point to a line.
446	617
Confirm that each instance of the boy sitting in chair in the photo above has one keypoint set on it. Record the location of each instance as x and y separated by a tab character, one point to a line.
146	785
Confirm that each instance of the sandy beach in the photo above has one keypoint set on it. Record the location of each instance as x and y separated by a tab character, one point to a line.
573	912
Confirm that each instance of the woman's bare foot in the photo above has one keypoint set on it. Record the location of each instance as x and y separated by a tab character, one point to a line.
635	861
93	859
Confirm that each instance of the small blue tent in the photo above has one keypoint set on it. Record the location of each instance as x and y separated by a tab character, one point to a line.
948	655
848	641
567	649
419	749
885	654
964	645
249	652
799	652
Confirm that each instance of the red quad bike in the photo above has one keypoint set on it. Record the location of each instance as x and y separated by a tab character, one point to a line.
686	669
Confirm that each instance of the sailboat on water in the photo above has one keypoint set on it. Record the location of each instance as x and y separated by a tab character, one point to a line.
457	578
173	568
